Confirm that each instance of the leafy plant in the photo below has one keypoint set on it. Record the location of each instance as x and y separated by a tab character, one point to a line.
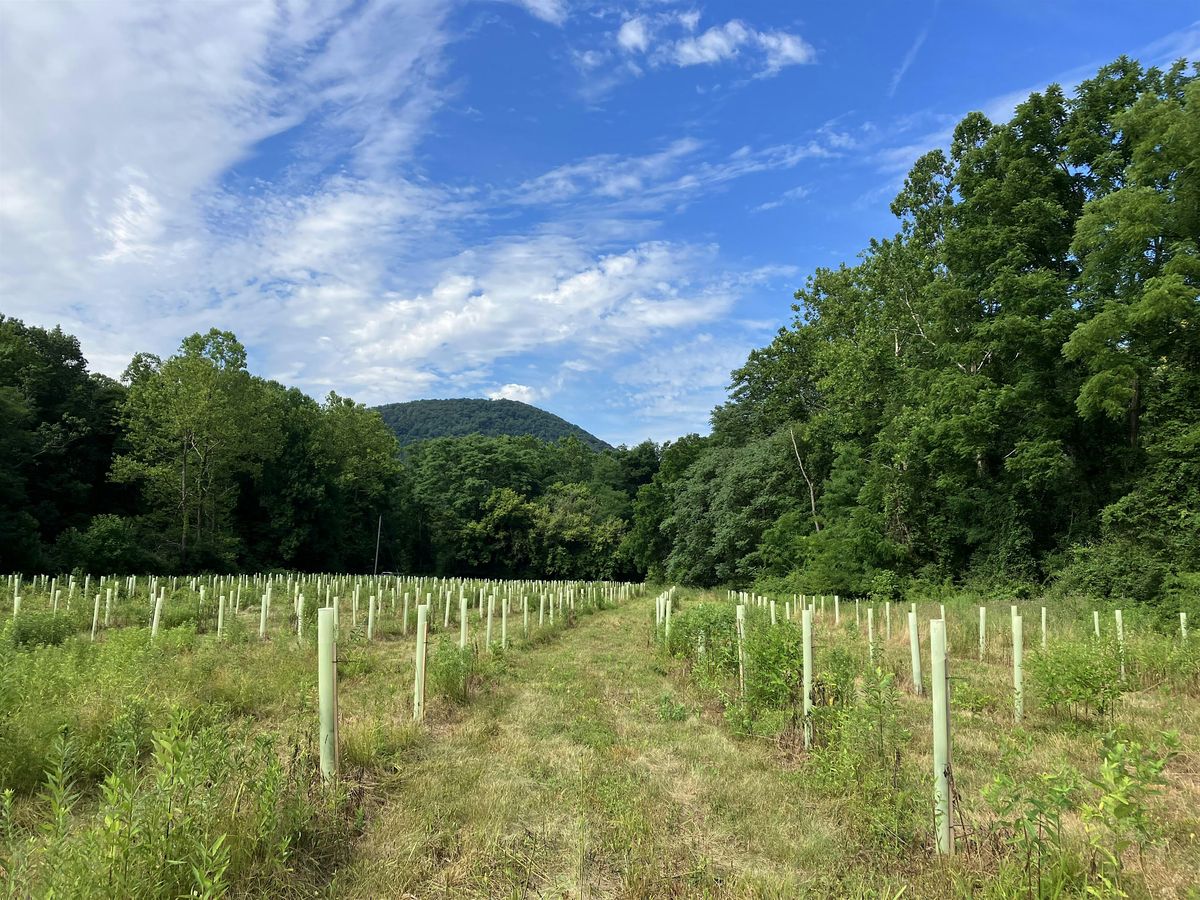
1029	817
1119	818
1077	676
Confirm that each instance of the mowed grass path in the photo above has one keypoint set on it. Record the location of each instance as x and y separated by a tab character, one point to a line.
571	778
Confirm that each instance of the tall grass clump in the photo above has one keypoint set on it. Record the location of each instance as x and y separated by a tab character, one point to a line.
211	811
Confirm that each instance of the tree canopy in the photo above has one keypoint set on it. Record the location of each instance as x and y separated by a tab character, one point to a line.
1005	389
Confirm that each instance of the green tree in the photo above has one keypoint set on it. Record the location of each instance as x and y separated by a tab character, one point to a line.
195	423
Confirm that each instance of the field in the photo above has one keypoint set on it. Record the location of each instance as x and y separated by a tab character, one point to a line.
592	756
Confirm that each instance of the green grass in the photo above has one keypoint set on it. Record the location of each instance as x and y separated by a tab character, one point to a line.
585	762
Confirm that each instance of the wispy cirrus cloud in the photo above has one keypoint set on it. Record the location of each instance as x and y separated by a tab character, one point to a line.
899	157
673	39
668	176
911	54
552	11
909	58
796	193
138	204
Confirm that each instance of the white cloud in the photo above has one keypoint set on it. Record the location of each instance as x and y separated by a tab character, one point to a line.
905	64
133	210
587	60
784	49
634	35
112	216
514	294
552	11
796	193
778	49
522	392
671	175
675	387
656	40
719	43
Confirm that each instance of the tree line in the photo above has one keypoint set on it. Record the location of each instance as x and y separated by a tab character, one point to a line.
193	464
1005	391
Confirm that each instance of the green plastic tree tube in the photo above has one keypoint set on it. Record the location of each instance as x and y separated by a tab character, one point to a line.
871	634
914	643
1120	639
419	664
462	621
741	653
327	692
806	626
1018	643
941	736
158	605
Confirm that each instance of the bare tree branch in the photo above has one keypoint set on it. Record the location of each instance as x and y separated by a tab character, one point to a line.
812	494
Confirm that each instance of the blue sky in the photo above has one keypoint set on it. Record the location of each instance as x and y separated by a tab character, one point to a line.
595	207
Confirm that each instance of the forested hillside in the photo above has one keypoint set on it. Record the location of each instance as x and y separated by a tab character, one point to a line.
193	463
1005	392
419	420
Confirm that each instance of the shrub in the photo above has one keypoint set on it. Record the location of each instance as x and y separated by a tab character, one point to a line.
452	672
1113	568
774	668
1130	776
1077	675
35	628
859	758
1029	820
711	626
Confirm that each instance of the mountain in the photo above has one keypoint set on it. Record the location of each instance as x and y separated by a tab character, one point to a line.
419	420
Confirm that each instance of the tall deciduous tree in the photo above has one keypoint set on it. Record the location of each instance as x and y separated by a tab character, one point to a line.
194	424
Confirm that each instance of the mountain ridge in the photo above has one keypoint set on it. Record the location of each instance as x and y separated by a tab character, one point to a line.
420	420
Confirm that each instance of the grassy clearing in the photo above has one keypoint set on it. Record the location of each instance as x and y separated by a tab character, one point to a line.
586	762
185	764
575	775
1068	802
